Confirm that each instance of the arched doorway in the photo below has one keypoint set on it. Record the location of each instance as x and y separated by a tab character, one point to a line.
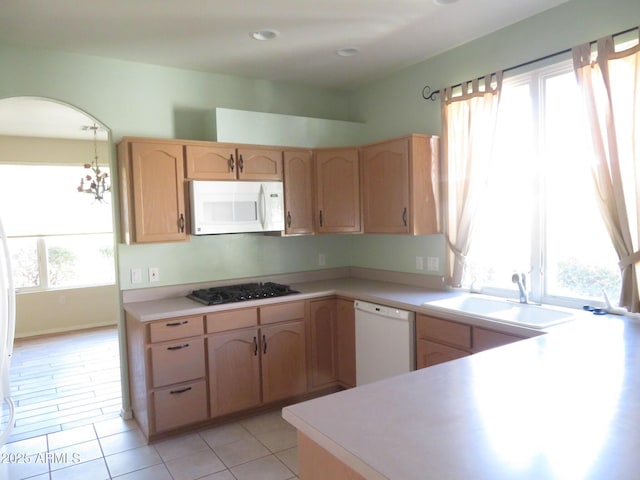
63	246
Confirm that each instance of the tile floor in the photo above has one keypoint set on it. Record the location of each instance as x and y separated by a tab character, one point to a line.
262	447
67	394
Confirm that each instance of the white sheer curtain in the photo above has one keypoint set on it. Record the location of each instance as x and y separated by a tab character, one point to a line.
611	92
469	121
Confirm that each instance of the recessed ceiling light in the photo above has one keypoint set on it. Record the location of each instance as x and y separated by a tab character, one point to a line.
348	51
266	34
442	3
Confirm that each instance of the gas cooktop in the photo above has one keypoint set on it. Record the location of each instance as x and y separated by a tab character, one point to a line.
239	293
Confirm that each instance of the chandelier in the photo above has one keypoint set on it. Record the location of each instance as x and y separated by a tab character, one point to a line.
96	182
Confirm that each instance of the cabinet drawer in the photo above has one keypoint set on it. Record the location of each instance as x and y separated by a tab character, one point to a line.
174	328
484	339
180	405
232	320
432	353
177	362
453	333
281	312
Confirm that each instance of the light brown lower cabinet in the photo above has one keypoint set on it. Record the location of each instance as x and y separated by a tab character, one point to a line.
179	405
234	371
284	370
439	340
167	373
332	343
432	353
187	370
323	338
346	343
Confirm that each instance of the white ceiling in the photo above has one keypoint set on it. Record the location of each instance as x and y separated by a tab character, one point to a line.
215	36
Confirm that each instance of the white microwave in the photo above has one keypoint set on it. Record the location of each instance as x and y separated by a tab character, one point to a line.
236	207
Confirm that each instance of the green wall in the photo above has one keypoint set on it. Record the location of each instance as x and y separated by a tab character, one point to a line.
145	100
393	106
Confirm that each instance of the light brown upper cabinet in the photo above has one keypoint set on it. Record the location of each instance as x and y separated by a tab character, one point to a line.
400	186
298	192
338	190
221	161
152	193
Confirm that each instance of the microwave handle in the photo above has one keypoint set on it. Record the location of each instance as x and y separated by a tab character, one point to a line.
262	213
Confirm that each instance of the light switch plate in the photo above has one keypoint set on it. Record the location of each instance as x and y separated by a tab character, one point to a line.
136	275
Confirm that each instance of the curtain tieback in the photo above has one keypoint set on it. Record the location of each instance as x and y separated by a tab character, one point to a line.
459	255
629	260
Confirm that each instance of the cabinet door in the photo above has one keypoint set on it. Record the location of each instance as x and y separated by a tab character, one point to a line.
284	364
234	371
157	184
211	162
323	335
346	343
338	190
259	164
385	184
432	353
484	339
298	192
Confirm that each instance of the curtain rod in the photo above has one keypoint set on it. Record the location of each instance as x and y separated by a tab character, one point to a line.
427	94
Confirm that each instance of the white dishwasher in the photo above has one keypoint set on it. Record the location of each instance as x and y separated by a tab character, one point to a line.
385	342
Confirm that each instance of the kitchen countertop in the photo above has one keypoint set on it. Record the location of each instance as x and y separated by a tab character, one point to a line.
396	295
560	406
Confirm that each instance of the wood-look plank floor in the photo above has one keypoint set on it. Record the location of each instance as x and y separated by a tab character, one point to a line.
64	381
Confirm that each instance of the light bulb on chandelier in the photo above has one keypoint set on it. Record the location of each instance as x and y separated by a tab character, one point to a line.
97	182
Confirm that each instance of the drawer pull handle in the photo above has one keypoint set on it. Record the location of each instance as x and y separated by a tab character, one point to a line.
182	390
178	347
176	324
264	344
255	347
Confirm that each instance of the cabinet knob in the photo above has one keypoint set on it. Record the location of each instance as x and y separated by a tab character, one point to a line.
178	347
264	344
404	216
255	346
240	163
289	219
320	217
181	222
232	163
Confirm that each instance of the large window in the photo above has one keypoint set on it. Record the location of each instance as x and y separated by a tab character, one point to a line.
58	237
540	216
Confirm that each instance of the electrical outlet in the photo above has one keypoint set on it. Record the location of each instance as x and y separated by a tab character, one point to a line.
419	263
136	275
154	274
322	259
433	264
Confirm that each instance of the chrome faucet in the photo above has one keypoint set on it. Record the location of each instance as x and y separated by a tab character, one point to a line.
521	281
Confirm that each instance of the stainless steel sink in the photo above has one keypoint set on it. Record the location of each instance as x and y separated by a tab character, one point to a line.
508	311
